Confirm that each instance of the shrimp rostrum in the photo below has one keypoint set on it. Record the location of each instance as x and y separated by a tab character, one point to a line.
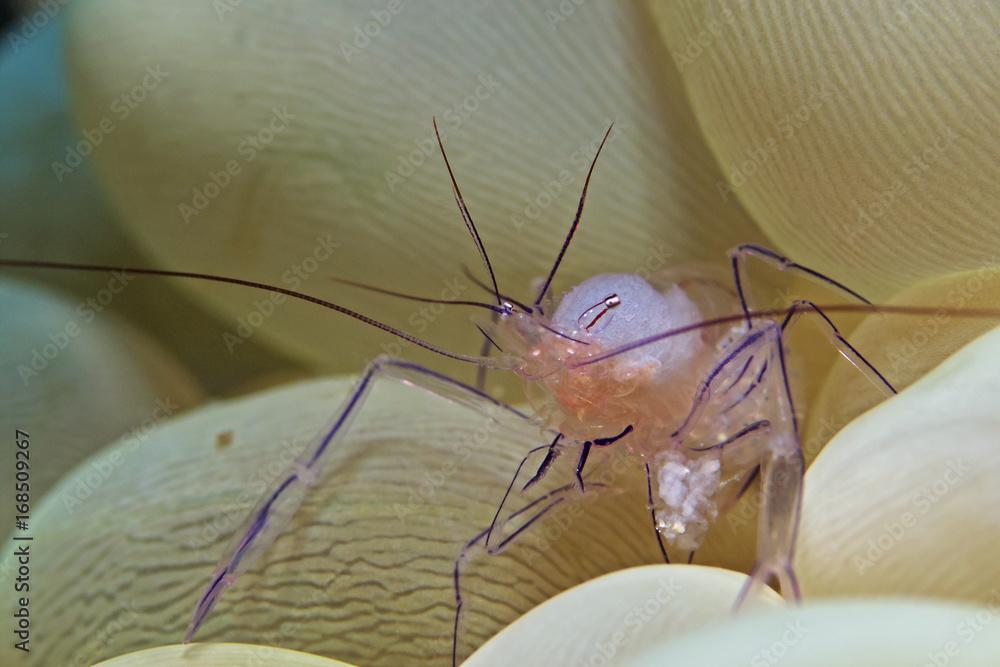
679	372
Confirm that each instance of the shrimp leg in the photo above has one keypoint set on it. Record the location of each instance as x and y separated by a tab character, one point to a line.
498	524
740	253
782	467
551	453
278	506
846	349
585	452
782	471
504	529
526	515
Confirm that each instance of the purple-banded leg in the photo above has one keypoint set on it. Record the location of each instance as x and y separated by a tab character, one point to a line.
279	504
782	464
846	349
730	381
849	352
781	497
782	467
524	517
738	396
552	451
551	454
581	462
739	255
498	524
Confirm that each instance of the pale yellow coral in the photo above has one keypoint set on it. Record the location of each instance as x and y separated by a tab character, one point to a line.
856	137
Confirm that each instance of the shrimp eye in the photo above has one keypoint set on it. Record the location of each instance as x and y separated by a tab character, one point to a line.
596	318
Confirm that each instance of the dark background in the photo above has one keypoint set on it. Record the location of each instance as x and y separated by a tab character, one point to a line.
8	11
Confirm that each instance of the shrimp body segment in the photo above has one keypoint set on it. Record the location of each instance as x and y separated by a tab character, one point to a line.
650	389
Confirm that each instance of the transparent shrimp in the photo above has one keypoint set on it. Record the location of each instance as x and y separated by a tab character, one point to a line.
704	413
681	372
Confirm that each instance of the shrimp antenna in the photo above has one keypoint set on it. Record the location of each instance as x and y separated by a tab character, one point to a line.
527	309
479	283
576	220
421	299
29	264
466	216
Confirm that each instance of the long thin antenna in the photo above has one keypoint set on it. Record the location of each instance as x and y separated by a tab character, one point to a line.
576	220
28	264
414	297
466	216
